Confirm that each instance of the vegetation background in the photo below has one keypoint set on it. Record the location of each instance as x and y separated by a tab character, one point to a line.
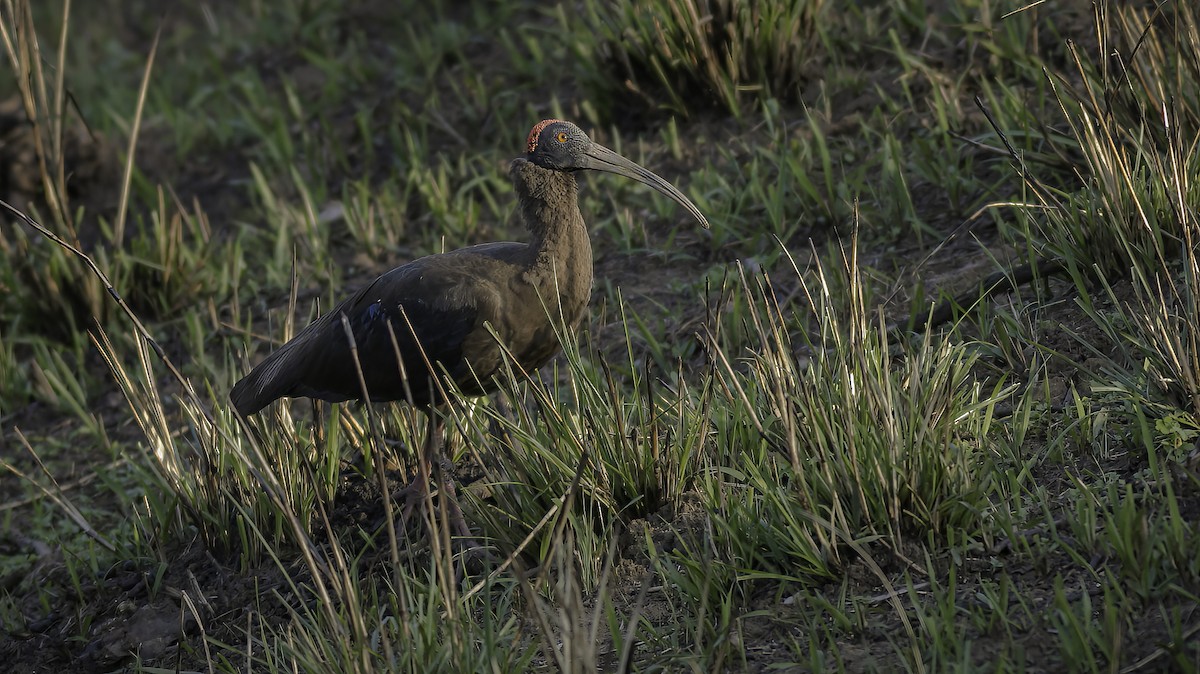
925	398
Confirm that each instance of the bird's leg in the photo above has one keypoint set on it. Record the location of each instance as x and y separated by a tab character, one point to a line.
448	494
318	423
474	555
417	492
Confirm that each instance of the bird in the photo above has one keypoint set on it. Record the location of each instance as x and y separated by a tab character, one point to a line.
454	317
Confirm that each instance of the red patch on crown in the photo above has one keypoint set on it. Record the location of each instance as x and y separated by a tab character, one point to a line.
532	141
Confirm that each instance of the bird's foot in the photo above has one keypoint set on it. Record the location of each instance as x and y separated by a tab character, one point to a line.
416	495
413	497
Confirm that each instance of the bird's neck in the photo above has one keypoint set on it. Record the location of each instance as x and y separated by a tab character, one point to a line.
559	261
549	205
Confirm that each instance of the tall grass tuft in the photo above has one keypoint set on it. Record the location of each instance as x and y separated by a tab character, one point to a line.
722	52
1136	120
842	437
1133	127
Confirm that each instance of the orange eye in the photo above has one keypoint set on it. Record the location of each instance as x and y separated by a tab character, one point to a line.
561	137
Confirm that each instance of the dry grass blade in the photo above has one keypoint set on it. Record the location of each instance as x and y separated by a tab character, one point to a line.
562	625
73	484
25	55
56	495
190	606
1161	652
134	134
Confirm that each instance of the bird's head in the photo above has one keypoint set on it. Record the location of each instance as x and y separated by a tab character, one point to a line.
561	146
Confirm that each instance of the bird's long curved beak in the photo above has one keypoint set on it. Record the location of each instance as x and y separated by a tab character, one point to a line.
600	158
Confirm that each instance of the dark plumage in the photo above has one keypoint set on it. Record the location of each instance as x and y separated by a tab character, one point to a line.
447	299
444	302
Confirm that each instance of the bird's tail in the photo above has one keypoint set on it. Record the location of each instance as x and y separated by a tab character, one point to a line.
270	380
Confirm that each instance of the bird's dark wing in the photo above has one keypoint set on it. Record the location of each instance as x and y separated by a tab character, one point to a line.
434	305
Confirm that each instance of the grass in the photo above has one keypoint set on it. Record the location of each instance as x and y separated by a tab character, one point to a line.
689	52
761	452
